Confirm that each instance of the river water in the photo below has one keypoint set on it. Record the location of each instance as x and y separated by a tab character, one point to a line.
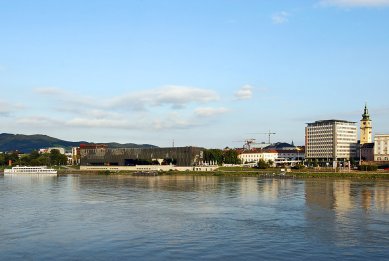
191	218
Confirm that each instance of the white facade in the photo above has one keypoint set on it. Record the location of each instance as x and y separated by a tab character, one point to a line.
330	140
381	147
254	157
48	150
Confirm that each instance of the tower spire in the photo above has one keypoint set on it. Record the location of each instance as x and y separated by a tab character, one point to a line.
365	115
366	128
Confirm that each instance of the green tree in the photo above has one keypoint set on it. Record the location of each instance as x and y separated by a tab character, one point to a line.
261	164
231	157
56	158
24	160
34	155
169	161
298	166
270	162
43	160
2	159
228	156
214	155
13	157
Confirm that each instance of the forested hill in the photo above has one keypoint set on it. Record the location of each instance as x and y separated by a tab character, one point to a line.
28	143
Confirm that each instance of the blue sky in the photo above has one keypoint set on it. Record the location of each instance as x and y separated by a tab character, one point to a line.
204	73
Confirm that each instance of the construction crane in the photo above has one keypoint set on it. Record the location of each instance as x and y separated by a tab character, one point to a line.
269	133
247	143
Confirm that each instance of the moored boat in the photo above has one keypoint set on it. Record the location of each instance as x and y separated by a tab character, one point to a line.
41	170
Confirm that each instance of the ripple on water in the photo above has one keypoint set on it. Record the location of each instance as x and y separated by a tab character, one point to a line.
191	218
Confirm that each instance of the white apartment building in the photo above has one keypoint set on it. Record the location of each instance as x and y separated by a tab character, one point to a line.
381	147
254	157
330	140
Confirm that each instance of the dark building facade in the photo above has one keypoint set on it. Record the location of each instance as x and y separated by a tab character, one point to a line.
179	156
366	152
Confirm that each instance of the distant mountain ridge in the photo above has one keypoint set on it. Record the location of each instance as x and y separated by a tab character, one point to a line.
28	143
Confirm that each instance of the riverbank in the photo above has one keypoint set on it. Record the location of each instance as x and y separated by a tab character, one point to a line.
271	173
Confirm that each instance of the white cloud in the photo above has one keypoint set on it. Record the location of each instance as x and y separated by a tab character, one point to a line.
244	93
208	112
160	124
175	96
171	95
49	91
355	3
6	109
280	17
39	121
101	114
115	112
100	123
148	122
68	100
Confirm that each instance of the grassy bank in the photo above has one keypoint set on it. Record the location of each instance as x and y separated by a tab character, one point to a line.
357	175
270	173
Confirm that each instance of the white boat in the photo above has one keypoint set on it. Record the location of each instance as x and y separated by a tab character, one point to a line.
41	170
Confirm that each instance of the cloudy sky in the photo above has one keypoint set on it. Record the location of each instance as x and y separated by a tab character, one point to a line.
202	73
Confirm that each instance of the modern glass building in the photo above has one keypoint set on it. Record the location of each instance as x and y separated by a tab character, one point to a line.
103	156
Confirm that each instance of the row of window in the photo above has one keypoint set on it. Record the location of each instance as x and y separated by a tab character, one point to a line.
330	137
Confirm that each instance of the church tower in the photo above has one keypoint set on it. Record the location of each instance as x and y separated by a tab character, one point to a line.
366	129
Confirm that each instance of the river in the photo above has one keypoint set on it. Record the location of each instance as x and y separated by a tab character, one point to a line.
192	217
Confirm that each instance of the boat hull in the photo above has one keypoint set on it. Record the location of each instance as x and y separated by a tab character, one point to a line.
30	174
16	171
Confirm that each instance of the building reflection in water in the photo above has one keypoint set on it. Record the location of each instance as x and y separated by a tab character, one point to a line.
345	195
336	209
342	195
249	191
366	198
381	198
276	189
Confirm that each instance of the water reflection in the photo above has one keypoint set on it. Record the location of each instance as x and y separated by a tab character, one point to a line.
345	195
342	195
192	217
345	212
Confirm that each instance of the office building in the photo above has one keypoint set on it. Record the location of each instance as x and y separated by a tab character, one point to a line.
330	140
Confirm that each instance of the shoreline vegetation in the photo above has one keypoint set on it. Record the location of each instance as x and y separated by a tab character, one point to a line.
265	173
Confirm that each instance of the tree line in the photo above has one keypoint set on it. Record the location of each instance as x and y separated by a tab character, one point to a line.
34	159
226	156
